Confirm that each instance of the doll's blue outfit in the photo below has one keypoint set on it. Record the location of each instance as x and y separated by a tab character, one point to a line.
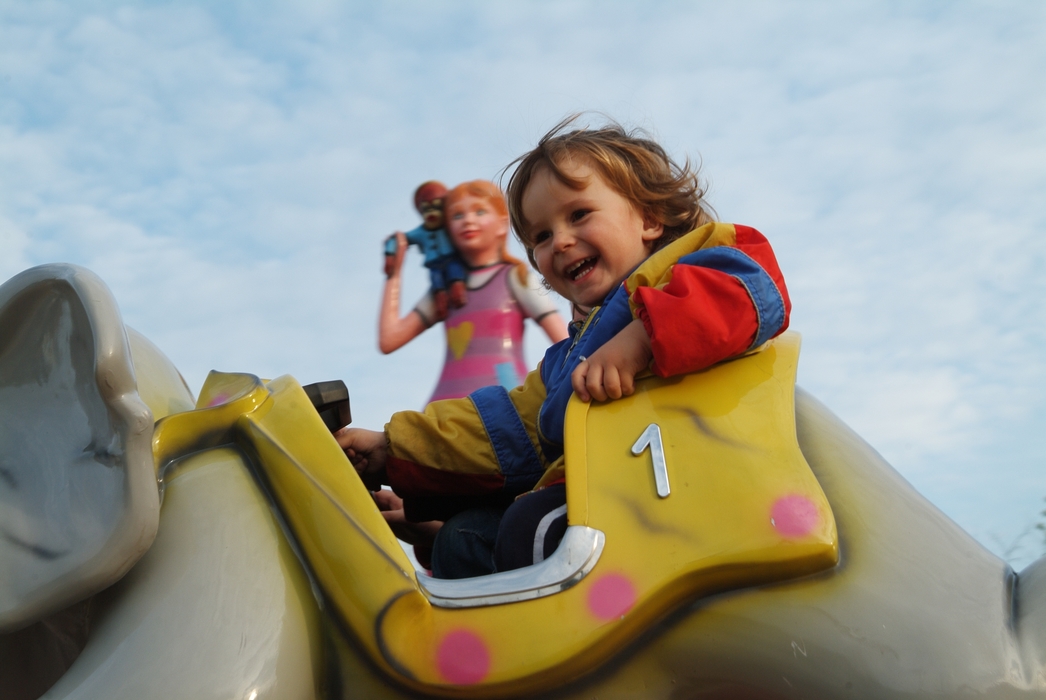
441	258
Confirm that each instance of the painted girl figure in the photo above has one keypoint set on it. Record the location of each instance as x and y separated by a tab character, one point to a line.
485	335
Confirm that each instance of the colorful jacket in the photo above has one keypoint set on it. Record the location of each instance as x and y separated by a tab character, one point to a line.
714	293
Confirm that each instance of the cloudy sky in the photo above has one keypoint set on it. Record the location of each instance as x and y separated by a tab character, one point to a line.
231	170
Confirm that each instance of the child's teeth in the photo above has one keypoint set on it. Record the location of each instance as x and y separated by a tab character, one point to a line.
575	269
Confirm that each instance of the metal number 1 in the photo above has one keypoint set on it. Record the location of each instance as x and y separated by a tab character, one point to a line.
651	438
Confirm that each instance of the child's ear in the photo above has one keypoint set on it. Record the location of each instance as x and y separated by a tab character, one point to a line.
652	228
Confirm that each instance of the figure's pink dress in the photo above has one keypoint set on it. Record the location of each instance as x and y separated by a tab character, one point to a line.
484	341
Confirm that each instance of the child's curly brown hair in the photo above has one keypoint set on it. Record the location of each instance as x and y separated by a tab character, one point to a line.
632	164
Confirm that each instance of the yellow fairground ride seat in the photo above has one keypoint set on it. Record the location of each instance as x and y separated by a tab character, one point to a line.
691	486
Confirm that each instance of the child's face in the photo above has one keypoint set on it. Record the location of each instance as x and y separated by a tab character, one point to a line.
476	229
585	241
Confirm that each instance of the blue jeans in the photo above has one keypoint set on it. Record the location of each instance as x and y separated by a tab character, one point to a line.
464	546
480	541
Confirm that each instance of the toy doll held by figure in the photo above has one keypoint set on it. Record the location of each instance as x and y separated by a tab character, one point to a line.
446	271
619	229
484	338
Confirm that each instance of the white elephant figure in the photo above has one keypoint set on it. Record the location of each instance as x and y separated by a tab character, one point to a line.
728	537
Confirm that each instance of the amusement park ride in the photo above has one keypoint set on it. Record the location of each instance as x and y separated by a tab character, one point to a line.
728	538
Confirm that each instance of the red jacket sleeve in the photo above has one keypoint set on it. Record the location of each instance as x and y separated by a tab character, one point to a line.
720	302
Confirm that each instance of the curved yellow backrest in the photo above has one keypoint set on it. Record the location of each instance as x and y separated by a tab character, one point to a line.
742	506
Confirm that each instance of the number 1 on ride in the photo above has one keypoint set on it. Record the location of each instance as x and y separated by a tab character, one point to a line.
651	438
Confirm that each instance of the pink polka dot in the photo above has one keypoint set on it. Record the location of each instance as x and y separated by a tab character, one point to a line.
794	516
463	658
217	400
611	596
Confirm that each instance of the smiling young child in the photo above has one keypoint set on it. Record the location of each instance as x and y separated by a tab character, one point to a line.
618	228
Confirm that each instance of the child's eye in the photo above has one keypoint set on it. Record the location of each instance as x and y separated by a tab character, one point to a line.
578	215
481	212
457	216
542	236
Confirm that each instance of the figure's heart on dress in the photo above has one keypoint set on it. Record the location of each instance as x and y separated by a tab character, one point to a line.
458	338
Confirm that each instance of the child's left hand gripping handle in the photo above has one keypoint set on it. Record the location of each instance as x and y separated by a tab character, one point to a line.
367	450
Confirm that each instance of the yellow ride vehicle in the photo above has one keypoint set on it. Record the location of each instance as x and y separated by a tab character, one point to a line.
727	537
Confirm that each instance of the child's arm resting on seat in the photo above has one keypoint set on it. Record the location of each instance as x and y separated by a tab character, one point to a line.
719	302
611	370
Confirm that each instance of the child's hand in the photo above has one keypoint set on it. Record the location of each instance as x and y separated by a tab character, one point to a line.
391	507
366	449
610	372
393	263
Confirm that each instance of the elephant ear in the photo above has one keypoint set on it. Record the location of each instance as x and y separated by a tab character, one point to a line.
79	503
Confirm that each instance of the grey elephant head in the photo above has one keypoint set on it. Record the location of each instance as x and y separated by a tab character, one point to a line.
79	503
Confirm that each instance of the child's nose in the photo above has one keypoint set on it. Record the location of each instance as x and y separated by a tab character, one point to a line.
562	239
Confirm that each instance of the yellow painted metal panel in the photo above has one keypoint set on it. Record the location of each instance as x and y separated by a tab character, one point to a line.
744	509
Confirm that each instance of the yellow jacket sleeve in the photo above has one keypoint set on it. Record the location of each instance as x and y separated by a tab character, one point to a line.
484	443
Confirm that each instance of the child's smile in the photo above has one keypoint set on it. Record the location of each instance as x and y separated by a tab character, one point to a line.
585	241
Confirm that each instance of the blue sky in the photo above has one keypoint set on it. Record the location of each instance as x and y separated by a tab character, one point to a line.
231	171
